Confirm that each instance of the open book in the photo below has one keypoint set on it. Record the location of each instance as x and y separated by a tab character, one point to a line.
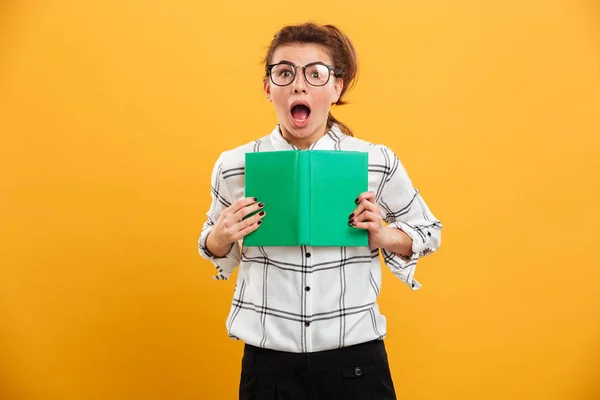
308	196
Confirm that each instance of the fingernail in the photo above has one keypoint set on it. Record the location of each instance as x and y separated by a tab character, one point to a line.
261	213
351	216
261	204
259	222
351	222
356	201
255	199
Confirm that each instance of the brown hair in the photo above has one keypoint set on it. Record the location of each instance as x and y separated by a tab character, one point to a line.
338	45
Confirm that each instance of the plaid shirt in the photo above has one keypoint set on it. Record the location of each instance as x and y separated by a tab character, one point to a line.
304	299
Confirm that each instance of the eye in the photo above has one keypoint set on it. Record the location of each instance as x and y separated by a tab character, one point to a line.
284	72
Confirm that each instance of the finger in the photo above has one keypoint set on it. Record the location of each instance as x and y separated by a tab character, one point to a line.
365	225
357	211
247	230
369	196
249	209
357	214
243	202
370	206
251	220
248	225
365	204
365	195
368	216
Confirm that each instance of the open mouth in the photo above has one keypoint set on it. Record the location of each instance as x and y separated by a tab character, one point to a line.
300	113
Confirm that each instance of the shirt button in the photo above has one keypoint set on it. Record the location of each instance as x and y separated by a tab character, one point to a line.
357	371
307	323
307	288
307	255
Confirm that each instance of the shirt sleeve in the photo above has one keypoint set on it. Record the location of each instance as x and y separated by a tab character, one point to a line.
221	199
403	208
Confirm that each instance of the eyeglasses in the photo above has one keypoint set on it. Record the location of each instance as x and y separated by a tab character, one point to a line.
316	73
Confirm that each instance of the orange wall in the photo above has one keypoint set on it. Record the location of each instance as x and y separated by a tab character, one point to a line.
112	114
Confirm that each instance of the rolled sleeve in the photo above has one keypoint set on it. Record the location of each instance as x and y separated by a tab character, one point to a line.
403	208
220	201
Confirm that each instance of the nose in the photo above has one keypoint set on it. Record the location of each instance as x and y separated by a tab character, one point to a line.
299	84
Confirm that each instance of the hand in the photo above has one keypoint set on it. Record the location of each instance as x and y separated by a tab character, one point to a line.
368	216
231	225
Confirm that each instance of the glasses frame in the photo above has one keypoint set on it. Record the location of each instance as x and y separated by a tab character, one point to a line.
330	68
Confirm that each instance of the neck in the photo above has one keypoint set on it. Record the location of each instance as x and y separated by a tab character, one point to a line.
304	143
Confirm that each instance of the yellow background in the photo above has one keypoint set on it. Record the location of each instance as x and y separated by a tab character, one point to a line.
112	114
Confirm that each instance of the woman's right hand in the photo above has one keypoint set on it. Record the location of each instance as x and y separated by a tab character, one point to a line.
231	225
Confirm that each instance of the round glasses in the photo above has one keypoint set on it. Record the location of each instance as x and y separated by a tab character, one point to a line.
284	73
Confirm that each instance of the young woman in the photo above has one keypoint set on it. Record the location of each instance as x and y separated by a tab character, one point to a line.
308	315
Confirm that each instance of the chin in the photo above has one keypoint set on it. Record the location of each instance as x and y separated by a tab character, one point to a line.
300	132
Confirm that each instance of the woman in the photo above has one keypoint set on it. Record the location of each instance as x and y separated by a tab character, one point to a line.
309	315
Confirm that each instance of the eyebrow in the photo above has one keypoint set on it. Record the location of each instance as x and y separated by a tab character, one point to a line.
312	62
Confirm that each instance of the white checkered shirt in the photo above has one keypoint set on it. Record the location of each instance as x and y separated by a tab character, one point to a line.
304	299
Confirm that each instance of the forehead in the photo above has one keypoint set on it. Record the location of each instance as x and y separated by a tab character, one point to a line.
301	53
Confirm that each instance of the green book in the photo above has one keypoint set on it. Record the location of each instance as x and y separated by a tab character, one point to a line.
308	196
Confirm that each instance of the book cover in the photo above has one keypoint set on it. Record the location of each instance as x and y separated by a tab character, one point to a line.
308	196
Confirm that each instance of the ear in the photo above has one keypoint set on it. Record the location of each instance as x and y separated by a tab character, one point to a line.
338	86
267	88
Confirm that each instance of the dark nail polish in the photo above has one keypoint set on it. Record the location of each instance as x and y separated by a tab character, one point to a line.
261	213
259	222
261	204
255	199
356	201
351	222
351	216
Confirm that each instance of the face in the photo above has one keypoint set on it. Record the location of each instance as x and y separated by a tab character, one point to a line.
301	108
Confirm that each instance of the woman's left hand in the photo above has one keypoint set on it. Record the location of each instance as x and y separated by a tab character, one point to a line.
367	215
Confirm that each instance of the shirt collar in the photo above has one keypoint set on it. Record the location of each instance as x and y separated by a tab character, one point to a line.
326	142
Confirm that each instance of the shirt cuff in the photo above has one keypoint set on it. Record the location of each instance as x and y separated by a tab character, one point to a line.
404	269
224	265
420	239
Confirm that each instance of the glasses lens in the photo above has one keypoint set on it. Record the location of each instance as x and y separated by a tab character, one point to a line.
317	74
282	74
